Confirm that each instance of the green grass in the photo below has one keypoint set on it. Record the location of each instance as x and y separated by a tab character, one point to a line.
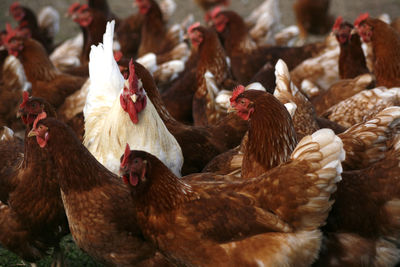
73	257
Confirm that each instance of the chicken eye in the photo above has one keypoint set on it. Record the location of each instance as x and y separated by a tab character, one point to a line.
242	102
34	105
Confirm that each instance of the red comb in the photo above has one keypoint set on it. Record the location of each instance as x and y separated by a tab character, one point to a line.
25	97
117	55
133	80
10	34
126	155
73	8
40	117
337	24
360	19
193	26
215	11
83	7
236	92
14	5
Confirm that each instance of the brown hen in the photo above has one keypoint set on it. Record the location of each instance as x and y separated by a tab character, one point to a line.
385	42
210	223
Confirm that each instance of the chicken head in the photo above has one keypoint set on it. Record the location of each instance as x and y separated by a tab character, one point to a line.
243	106
196	36
31	107
13	40
84	16
17	11
40	130
143	5
219	20
364	30
342	30
133	99
133	168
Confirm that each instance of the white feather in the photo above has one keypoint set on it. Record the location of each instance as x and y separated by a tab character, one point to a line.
108	128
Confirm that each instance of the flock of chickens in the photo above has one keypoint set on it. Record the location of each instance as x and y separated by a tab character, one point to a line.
231	142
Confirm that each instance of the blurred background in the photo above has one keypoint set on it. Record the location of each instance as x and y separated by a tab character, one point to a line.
348	9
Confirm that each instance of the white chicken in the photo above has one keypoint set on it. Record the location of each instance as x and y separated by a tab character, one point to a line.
118	112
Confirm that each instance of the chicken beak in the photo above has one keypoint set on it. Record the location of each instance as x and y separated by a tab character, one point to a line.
231	109
354	31
32	133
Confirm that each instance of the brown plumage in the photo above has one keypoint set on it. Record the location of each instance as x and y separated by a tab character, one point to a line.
352	61
247	58
99	207
31	211
211	223
312	16
199	144
385	42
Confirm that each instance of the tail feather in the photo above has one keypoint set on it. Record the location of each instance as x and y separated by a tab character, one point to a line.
106	80
323	152
103	69
366	143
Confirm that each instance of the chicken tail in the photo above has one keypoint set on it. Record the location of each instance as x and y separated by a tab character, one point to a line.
366	143
323	153
103	69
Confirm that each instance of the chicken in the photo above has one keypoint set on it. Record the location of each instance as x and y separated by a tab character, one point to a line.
154	37
98	206
212	59
250	222
262	109
386	57
43	29
246	56
313	17
199	144
46	80
362	106
32	217
352	61
119	112
365	212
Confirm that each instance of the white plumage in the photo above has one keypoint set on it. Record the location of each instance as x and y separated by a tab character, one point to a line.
108	128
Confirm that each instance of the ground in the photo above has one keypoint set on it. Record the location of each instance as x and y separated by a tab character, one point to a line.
348	9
